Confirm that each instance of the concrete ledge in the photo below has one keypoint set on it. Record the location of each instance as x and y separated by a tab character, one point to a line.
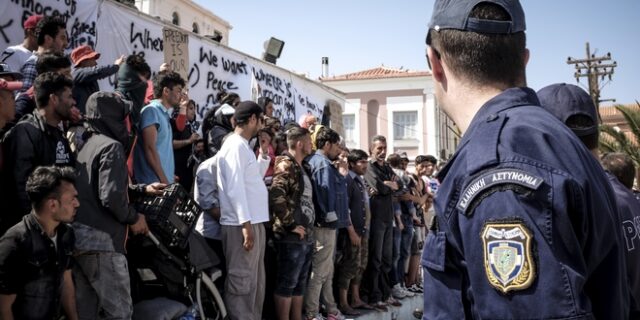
405	312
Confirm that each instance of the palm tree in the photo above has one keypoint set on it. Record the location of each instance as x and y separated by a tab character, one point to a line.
612	139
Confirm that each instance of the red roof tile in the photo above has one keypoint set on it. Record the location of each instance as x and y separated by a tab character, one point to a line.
381	72
611	111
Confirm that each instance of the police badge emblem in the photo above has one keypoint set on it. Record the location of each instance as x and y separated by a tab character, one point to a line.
508	260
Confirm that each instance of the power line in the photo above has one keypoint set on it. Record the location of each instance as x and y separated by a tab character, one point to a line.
594	69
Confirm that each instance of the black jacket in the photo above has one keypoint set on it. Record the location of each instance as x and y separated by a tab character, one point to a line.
31	143
357	205
102	177
32	268
382	197
85	82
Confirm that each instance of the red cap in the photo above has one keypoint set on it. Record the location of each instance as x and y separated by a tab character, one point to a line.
32	21
10	85
82	53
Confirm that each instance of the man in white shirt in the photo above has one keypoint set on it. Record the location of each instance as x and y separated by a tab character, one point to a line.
244	209
16	56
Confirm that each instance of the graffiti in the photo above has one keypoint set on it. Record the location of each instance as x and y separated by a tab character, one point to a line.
82	33
234	67
211	59
35	7
272	81
209	68
2	32
218	84
144	39
194	70
304	101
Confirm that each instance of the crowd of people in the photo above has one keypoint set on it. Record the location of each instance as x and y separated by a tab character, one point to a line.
288	208
526	220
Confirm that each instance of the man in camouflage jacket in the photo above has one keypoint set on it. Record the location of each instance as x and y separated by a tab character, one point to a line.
291	206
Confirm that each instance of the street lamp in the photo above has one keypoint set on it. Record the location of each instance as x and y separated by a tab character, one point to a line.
272	50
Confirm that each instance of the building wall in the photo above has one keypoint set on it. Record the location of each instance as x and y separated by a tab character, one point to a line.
371	104
188	13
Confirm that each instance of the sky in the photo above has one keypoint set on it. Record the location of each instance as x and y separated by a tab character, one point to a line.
357	35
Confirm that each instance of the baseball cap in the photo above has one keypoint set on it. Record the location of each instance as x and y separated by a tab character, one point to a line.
83	53
10	85
454	14
32	21
245	110
567	100
427	158
5	70
403	156
226	110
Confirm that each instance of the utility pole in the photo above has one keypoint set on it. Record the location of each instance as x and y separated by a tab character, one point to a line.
594	69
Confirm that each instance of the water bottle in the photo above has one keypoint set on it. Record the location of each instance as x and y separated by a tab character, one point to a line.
190	314
433	184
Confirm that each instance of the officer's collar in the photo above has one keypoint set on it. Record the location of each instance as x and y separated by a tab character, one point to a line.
512	97
489	112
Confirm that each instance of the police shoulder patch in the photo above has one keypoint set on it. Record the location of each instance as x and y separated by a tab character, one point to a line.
496	177
508	259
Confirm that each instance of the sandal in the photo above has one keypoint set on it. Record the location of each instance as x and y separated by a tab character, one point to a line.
349	311
380	306
363	305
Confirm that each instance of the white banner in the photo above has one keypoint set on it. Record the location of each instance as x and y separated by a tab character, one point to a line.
115	30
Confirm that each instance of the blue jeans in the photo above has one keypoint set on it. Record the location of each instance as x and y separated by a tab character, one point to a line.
405	246
294	261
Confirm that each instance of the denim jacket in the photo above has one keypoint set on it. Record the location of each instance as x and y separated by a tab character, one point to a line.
329	193
32	268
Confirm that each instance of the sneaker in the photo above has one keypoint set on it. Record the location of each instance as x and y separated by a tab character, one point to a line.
407	292
415	289
397	292
317	317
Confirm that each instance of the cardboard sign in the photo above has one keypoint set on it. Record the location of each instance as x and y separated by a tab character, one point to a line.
176	51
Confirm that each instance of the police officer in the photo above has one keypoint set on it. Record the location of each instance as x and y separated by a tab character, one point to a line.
525	225
574	107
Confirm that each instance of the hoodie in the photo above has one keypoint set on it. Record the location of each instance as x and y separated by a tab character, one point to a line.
103	218
221	127
133	89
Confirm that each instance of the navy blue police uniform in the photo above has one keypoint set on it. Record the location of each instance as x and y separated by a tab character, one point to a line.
568	103
629	210
525	225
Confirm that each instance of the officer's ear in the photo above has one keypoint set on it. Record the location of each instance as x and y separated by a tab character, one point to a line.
526	56
435	62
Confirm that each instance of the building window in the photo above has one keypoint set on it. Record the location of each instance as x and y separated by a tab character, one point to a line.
195	28
349	125
175	19
405	125
218	35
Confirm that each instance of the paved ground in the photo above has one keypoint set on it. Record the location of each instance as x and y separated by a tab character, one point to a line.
409	305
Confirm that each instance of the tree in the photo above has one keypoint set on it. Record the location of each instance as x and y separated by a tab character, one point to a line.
612	139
